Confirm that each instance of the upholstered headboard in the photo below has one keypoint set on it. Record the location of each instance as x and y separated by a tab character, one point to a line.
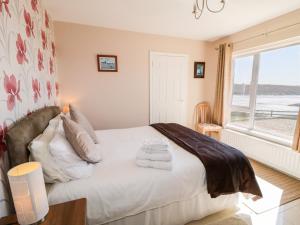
24	131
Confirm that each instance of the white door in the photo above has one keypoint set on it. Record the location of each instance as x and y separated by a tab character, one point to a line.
168	81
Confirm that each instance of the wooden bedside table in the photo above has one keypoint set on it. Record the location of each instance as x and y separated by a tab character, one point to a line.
68	213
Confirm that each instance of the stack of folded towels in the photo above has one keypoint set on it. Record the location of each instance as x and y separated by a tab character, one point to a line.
155	153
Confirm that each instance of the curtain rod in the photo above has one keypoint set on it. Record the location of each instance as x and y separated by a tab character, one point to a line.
265	33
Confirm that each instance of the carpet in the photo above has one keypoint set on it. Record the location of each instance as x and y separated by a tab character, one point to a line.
235	220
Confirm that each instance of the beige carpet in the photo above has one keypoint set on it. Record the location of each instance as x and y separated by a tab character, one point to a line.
235	220
277	188
221	219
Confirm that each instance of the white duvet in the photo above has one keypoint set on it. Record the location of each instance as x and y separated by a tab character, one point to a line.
119	188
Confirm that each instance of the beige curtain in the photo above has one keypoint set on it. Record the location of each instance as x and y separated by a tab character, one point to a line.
296	142
223	86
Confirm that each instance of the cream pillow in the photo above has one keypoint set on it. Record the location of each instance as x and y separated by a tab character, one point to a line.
39	152
78	117
55	122
81	141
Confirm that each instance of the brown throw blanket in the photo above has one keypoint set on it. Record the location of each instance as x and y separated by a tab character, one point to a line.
227	169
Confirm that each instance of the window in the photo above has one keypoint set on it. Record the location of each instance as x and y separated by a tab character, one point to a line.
266	92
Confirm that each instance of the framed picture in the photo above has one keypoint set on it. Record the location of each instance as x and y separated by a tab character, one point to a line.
199	70
107	63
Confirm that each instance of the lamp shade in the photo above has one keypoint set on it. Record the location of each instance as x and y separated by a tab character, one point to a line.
66	109
28	192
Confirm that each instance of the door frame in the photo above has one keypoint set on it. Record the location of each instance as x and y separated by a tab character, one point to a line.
152	54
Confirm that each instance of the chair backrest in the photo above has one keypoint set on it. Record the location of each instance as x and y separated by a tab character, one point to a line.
202	113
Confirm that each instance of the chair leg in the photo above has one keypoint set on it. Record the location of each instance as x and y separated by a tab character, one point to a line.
218	135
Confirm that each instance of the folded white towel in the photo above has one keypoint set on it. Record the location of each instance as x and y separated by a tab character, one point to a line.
150	150
154	164
160	156
156	141
155	145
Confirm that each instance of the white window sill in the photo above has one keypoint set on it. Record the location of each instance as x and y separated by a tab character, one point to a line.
260	135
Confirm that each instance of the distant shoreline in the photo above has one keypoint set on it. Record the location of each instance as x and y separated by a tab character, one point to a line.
267	89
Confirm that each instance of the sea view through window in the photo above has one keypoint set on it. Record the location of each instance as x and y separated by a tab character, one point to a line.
266	91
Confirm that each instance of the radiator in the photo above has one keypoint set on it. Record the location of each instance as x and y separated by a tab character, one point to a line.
274	155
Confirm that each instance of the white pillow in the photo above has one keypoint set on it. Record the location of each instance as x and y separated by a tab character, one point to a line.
67	159
40	153
57	123
60	128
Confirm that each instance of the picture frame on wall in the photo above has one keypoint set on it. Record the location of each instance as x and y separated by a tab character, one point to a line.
107	63
199	70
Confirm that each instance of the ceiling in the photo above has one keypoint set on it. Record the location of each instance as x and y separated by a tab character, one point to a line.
169	17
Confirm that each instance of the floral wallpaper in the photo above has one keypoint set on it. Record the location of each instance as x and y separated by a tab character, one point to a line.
27	63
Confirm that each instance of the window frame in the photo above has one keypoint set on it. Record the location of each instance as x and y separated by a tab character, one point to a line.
255	52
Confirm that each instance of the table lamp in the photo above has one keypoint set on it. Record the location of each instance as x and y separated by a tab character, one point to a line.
28	192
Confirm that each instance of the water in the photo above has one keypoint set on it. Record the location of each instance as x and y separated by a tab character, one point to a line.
289	103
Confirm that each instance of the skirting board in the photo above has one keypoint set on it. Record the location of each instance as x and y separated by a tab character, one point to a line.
274	155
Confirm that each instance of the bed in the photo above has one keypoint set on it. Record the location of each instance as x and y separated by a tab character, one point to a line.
119	192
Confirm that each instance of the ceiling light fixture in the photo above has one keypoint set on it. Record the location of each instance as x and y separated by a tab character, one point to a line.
201	4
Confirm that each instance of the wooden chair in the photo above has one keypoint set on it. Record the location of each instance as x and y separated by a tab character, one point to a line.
203	121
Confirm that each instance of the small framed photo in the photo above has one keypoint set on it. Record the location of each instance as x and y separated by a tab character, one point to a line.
199	70
107	63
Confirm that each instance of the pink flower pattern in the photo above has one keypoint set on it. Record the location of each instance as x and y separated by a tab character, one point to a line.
12	88
53	49
21	50
40	60
46	19
5	3
28	49
49	89
36	88
44	39
57	88
34	5
51	66
29	24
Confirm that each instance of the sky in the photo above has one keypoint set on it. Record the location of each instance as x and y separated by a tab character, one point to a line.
278	67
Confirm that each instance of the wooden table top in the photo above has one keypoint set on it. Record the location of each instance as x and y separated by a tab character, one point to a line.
73	212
